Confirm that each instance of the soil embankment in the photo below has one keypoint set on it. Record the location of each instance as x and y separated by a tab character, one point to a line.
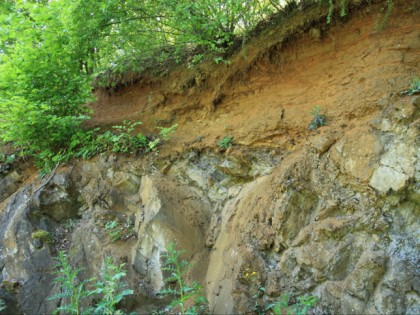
331	212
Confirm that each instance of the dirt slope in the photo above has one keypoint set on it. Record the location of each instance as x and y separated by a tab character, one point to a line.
265	96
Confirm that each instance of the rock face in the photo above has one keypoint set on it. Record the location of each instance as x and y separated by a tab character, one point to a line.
74	207
9	183
331	213
25	263
339	223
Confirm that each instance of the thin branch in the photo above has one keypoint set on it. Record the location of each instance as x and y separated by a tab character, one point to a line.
48	180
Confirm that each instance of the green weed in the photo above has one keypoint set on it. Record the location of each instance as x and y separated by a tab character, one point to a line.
2	305
111	288
318	120
219	60
73	291
88	143
383	15
117	231
280	306
183	291
225	143
166	132
113	230
7	158
414	87
196	59
164	135
283	306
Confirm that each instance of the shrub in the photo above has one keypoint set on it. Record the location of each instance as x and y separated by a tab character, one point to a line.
42	90
109	289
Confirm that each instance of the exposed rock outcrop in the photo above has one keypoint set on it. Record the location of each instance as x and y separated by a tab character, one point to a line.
331	212
310	222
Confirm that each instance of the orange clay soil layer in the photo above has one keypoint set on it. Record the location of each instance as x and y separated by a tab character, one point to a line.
265	96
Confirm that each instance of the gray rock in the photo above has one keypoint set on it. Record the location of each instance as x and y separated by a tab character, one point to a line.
9	183
22	263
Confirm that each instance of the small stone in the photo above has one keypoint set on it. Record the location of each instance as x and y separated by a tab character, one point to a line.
164	170
322	143
416	101
385	178
37	243
345	81
383	102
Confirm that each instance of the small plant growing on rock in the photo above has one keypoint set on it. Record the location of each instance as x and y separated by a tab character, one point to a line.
88	143
43	236
6	162
117	231
73	291
7	159
166	132
164	135
318	120
250	279
225	143
122	140
110	288
264	305
2	305
282	306
70	224
152	145
178	287
113	230
414	87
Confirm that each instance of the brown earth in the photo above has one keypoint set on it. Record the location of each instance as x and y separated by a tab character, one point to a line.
265	96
